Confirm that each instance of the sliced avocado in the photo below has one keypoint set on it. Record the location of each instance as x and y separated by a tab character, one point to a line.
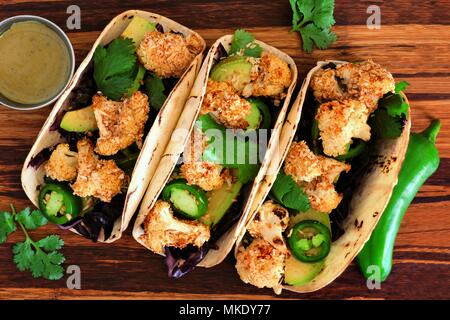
82	120
235	69
296	272
260	117
311	214
183	200
219	201
137	81
137	29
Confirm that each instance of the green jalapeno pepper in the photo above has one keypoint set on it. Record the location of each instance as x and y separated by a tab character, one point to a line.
58	203
190	201
310	241
421	161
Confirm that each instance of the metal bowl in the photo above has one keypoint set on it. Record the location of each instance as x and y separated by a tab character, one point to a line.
4	26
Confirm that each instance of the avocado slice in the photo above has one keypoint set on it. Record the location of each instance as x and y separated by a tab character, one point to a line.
137	29
81	120
296	272
235	69
219	201
254	118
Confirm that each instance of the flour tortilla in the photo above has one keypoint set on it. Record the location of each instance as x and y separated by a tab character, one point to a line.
176	147
367	204
155	141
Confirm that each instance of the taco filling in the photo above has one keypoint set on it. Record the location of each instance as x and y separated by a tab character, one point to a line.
349	108
205	194
110	113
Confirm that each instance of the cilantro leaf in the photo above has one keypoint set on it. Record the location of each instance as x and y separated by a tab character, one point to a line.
29	256
50	243
114	66
313	19
384	126
7	225
155	90
31	219
401	86
323	38
289	194
394	104
244	42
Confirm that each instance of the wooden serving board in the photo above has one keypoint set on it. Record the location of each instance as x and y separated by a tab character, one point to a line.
413	43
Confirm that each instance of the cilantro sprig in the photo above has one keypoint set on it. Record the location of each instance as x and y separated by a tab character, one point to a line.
114	67
244	43
388	120
289	194
313	19
155	90
42	257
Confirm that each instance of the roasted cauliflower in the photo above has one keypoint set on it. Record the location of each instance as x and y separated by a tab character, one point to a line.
63	164
341	121
225	105
261	264
168	54
273	75
98	178
120	123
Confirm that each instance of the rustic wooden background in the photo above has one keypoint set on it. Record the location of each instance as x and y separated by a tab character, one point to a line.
413	43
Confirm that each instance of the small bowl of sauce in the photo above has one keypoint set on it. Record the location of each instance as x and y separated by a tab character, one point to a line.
36	62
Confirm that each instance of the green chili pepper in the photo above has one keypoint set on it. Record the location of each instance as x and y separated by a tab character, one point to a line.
421	161
190	201
58	203
310	241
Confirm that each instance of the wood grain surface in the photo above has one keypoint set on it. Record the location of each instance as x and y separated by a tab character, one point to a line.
413	43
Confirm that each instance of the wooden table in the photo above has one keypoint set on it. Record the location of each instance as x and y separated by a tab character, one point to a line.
413	43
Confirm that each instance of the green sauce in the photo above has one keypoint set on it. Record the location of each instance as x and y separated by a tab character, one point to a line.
34	63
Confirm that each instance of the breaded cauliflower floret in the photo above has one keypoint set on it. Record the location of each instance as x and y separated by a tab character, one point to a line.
63	164
272	77
332	168
325	86
366	81
225	105
339	122
261	265
120	123
98	178
301	163
207	175
168	54
162	229
316	175
269	224
322	195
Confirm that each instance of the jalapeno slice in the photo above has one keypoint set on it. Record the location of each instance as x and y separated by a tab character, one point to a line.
310	241
190	201
58	203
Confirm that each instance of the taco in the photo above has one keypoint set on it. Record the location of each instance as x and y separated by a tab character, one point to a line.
342	145
94	156
194	208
